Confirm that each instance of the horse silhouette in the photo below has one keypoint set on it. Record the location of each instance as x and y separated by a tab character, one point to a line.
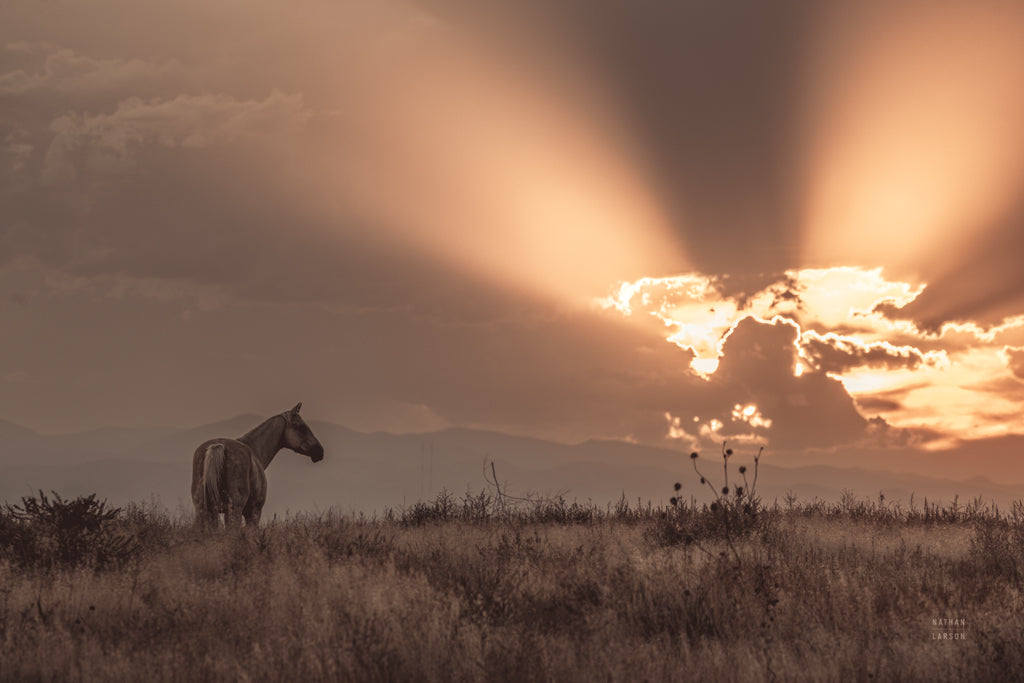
228	474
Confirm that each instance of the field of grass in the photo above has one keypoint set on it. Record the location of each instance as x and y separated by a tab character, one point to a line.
473	590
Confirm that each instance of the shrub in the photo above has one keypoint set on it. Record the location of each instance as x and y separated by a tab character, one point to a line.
45	533
735	512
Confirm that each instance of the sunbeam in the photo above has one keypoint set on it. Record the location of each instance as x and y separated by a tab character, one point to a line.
500	165
915	143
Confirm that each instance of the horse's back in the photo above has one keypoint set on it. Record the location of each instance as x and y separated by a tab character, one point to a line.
239	474
233	449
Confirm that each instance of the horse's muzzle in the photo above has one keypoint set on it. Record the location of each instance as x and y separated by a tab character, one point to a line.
316	454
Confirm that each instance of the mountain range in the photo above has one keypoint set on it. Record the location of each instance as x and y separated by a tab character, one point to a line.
370	472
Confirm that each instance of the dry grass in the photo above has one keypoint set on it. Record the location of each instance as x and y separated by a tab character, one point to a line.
810	593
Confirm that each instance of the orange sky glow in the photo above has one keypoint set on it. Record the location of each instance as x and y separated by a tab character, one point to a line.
511	166
914	147
796	224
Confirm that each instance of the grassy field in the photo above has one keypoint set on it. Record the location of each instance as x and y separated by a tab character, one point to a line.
473	590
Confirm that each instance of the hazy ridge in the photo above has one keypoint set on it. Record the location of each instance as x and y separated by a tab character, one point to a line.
367	472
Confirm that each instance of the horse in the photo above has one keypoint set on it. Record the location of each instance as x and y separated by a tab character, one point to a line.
228	474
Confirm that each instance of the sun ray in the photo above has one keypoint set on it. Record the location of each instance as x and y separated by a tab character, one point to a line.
914	136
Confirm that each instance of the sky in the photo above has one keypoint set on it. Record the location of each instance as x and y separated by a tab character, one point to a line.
794	224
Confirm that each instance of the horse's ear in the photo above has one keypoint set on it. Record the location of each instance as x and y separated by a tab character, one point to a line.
295	410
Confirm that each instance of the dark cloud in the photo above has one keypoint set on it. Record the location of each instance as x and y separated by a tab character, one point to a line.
984	291
1015	358
983	284
834	353
875	404
806	411
756	368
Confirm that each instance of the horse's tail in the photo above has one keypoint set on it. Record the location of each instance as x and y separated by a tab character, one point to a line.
213	468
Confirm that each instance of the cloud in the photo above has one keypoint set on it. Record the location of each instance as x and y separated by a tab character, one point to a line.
677	432
757	367
187	121
700	312
751	415
1015	361
835	353
55	69
159	196
845	325
755	398
878	404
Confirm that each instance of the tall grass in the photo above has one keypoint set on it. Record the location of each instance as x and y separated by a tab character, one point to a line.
472	589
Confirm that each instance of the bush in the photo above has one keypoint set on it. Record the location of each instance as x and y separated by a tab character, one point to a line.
45	533
735	513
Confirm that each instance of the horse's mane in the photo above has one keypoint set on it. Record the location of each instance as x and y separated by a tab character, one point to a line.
251	435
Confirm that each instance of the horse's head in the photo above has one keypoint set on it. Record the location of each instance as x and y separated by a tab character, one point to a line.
299	437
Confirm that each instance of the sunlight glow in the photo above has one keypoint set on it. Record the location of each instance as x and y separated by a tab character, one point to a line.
517	171
870	381
704	366
915	140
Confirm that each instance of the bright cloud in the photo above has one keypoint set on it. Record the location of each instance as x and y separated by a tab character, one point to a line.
952	382
751	415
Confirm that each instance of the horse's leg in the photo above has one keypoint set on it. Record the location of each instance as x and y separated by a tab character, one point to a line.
252	515
237	500
257	496
206	518
232	516
234	510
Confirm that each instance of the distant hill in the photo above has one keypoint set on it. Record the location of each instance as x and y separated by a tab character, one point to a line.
21	445
368	472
